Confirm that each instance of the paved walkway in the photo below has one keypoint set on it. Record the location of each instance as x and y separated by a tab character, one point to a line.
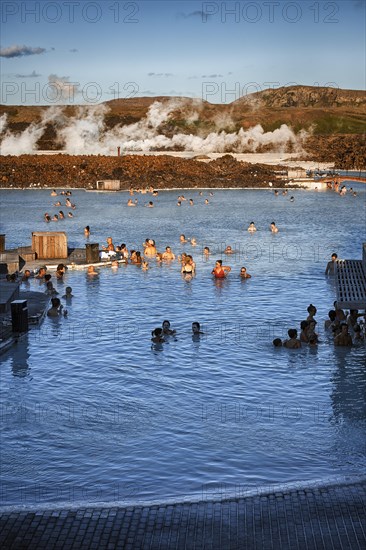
322	517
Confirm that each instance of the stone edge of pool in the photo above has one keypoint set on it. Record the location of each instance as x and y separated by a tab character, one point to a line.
261	491
312	517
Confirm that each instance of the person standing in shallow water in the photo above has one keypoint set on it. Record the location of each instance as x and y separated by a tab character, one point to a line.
292	342
343	339
220	271
330	269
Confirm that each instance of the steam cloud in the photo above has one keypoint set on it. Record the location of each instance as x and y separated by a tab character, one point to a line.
86	133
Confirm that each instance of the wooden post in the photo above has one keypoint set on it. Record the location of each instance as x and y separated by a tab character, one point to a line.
2	243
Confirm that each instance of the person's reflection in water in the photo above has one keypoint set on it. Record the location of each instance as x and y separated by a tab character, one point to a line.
20	356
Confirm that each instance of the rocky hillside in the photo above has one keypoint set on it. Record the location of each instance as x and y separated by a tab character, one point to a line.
328	115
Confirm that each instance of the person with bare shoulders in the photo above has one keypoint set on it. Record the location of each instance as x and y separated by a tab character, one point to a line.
340	315
168	254
41	272
252	228
193	241
293	342
150	249
206	251
191	262
26	276
196	330
220	271
343	339
228	250
144	265
352	318
311	311
56	309
157	336
274	228
138	258
304	325
187	268
182	238
167	331
310	331
130	202
91	271
244	274
110	245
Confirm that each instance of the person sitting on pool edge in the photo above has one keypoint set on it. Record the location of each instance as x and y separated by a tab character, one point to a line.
293	342
220	271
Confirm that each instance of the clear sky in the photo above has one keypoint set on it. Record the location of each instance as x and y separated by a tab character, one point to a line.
87	52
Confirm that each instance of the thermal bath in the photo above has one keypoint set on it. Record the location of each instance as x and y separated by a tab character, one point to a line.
90	412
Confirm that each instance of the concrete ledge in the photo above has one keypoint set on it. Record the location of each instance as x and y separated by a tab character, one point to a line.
317	517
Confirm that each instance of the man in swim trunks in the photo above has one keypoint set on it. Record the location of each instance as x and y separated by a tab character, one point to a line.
220	271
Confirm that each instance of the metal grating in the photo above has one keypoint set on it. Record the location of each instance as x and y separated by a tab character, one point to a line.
350	280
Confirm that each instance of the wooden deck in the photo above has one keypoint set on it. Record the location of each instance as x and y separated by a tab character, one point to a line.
350	278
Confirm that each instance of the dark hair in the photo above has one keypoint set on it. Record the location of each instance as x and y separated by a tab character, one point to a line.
197	324
47	277
157	332
166	321
55	302
334	255
304	325
292	332
332	314
277	342
311	308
